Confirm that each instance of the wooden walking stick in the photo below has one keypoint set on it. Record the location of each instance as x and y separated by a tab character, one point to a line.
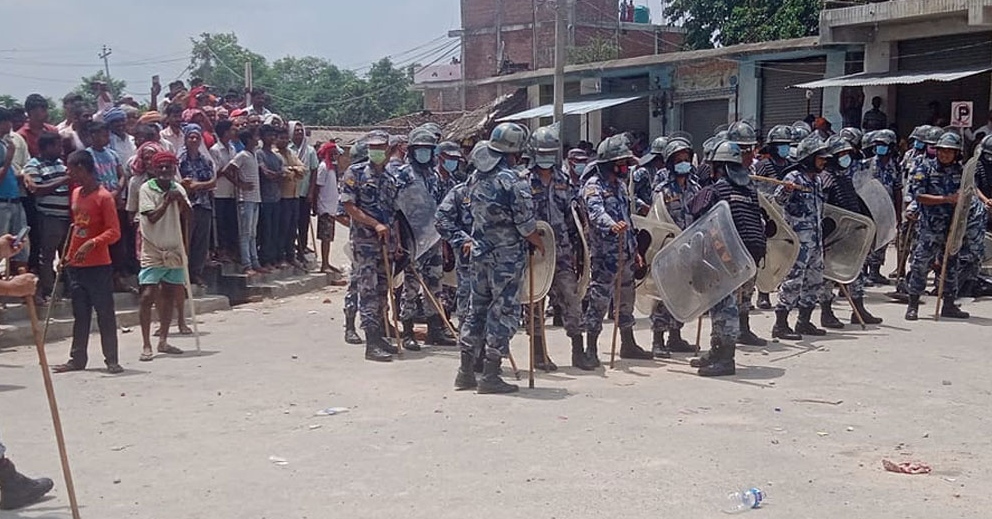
192	303
699	331
850	301
390	297
437	304
532	317
616	299
55	287
39	341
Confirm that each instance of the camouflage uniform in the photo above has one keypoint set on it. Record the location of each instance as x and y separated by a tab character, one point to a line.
608	204
454	223
642	185
973	247
933	178
838	189
553	204
891	178
373	193
803	211
677	201
725	319
430	264
502	213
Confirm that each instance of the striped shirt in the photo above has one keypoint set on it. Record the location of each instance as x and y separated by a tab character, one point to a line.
55	204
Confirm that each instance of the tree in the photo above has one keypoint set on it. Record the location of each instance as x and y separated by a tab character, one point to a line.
709	23
596	49
85	89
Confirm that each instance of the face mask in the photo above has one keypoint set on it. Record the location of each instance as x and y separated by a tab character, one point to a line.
683	168
881	149
377	156
845	161
451	165
622	170
422	155
544	162
919	145
579	168
783	150
931	151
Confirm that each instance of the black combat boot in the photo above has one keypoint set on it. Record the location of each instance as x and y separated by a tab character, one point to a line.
782	330
952	311
709	357
592	349
764	302
859	305
556	319
409	339
876	277
804	325
828	319
579	358
376	348
746	336
542	360
629	348
491	383
723	364
466	372
18	490
350	334
437	332
658	347
677	344
913	309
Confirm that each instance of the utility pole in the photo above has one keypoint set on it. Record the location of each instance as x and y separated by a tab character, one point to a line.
561	37
104	54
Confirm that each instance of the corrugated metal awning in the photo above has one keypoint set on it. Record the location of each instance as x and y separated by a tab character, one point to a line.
893	78
573	108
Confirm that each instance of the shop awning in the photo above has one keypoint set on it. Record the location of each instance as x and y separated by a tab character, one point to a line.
573	108
893	78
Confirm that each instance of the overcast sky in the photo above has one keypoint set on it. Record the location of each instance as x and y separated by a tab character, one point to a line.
48	45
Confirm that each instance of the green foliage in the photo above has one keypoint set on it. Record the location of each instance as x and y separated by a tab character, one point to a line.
596	49
729	22
84	89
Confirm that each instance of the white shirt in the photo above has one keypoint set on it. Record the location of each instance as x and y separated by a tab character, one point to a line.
124	147
222	156
327	181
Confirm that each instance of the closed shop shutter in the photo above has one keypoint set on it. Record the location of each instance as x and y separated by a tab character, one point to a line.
699	118
783	105
943	53
631	116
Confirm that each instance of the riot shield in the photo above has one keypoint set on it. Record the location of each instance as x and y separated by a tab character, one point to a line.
847	240
583	269
703	265
987	257
544	267
417	205
783	248
879	204
959	223
652	237
659	211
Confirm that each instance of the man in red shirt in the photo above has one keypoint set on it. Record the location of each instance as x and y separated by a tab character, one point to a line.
90	274
37	108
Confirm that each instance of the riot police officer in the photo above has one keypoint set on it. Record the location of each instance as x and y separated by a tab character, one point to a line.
645	177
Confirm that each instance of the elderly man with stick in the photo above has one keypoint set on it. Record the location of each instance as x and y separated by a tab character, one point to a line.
16	489
164	208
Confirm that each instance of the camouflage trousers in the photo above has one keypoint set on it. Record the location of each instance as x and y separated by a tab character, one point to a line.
973	247
369	272
876	258
856	287
494	310
929	248
601	292
430	266
725	319
564	289
351	298
802	286
744	295
463	292
662	320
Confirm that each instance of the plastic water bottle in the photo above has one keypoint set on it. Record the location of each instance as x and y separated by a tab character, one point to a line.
739	501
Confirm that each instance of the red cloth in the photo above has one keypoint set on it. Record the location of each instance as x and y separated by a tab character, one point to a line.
164	158
94	217
32	138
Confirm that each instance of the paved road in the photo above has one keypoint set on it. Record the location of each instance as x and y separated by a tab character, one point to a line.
192	437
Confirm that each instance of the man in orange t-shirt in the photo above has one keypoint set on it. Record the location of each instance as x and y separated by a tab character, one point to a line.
94	229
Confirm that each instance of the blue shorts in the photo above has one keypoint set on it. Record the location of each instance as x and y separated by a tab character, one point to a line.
156	275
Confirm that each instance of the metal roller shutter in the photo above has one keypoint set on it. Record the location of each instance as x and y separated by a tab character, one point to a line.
783	105
631	116
699	118
943	53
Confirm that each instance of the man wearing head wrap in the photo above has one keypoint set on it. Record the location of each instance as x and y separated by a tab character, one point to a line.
199	181
150	118
305	192
120	141
325	191
163	207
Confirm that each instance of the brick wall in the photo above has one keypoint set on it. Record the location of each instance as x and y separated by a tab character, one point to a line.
443	99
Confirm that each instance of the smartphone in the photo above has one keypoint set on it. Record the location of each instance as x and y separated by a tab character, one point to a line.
19	239
155	81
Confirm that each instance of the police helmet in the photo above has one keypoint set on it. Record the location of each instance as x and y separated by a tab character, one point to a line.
950	141
811	146
508	138
421	137
931	135
779	134
674	146
837	144
852	135
887	137
742	133
545	140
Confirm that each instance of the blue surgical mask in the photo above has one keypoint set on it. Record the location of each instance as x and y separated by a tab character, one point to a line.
844	161
545	162
683	168
881	149
783	150
451	165
579	168
919	145
423	155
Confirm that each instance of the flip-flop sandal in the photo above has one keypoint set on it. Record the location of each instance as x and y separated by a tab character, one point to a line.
187	331
146	357
170	350
66	368
115	369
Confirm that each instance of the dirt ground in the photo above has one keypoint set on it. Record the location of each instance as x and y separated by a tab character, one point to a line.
810	423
